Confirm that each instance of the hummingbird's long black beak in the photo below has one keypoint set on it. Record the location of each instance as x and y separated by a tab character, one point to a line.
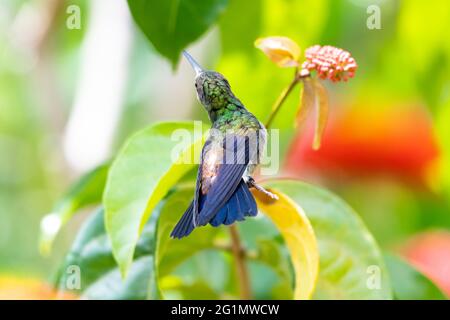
197	68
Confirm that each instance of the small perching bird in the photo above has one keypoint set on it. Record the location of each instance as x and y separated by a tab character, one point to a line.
229	156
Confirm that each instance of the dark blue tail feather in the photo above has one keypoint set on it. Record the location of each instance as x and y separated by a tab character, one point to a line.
240	205
186	224
250	200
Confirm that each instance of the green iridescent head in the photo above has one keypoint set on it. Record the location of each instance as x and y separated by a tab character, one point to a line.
213	90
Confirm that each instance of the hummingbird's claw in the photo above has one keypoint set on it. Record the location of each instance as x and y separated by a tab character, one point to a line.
251	183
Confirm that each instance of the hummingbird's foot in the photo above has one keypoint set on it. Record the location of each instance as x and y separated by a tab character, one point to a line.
251	183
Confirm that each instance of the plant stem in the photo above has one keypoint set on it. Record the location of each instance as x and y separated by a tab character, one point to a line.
298	76
239	259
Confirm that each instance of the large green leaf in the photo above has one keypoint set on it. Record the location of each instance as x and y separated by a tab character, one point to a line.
171	252
85	192
410	284
270	252
176	288
348	252
173	24
145	169
99	276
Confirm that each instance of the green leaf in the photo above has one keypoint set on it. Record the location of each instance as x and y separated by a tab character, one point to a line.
90	263
198	290
149	164
111	287
348	251
173	24
270	252
171	252
86	191
410	284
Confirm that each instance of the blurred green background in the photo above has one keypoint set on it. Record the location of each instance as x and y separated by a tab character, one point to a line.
70	96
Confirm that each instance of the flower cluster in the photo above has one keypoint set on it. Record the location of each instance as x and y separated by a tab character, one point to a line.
330	63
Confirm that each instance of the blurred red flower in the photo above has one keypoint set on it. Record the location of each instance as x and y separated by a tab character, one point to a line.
398	141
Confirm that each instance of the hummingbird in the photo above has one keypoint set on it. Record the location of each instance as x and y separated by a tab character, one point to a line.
229	157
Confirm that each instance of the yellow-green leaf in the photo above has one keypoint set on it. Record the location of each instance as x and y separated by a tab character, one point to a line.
281	50
299	237
322	110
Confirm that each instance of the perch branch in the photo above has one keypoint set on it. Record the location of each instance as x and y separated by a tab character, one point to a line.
239	259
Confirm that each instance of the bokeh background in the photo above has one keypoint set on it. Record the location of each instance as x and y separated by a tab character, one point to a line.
70	97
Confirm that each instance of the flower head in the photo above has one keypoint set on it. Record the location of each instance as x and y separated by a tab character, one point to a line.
330	63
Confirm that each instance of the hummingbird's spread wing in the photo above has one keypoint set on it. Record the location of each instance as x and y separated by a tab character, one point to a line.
220	173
